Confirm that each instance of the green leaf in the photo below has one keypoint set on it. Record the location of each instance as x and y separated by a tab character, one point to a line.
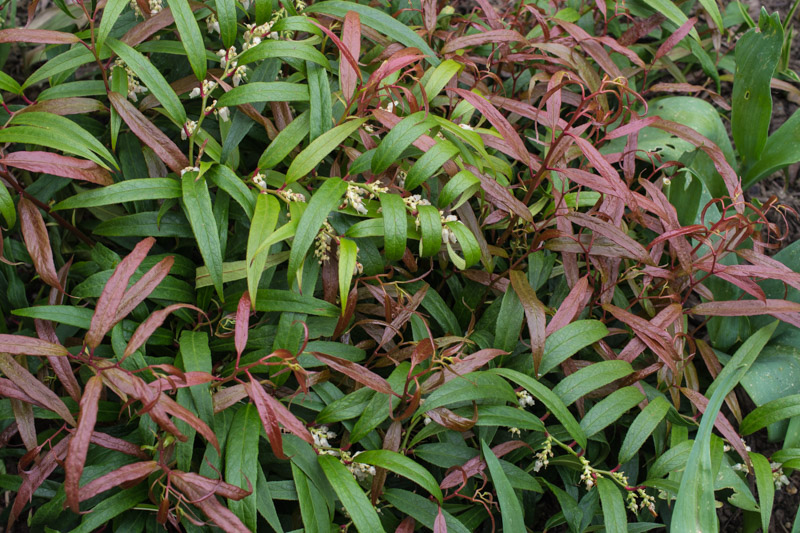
510	508
312	505
475	386
317	150
757	55
190	36
226	15
567	341
71	59
609	409
402	466
283	49
348	257
7	83
395	225
591	378
266	506
198	209
507	416
325	200
468	243
613	506
398	139
642	427
509	322
422	509
459	187
111	13
379	21
264	91
352	497
430	228
440	76
549	399
125	191
196	357
672	12
224	178
672	460
286	141
319	89
766	487
273	300
241	461
780	151
152	78
111	506
770	412
430	162
695	508
265	217
7	208
146	225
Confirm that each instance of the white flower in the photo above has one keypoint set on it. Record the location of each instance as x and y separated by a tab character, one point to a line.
195	92
258	179
239	74
189	169
353	197
245	4
465	127
224	114
525	399
515	431
212	23
321	436
778	477
391	105
291	196
588	474
188	129
156	6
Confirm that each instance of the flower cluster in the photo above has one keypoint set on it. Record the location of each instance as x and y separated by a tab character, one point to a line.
222	112
188	129
588	475
778	477
524	399
189	169
228	60
205	88
543	457
259	180
647	502
360	470
134	85
155	7
447	233
355	199
413	201
322	436
212	24
291	196
322	247
255	34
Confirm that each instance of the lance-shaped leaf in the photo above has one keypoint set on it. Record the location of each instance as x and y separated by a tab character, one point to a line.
348	256
534	314
148	327
268	418
198	209
58	165
21	345
33	387
356	372
480	38
242	323
476	465
37	242
207	502
364	515
722	424
746	307
191	38
655	338
79	445
349	73
265	217
613	233
144	287
282	414
123	475
105	314
316	151
26	35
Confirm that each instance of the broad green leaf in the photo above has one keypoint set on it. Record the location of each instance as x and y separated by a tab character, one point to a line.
395	225
236	270
468	243
196	357
241	461
613	506
312	505
609	409
226	15
422	509
224	178
325	200
642	427
549	399
361	511
323	145
111	506
509	322
77	56
125	191
190	36
266	506
507	416
265	217
459	187
766	487
440	76
567	341
7	208
152	78
672	460
283	49
757	54
146	225
378	21
273	300
430	229
475	386
402	466
111	13
348	257
780	151
430	162
672	12
770	412
319	90
510	508
198	209
286	141
591	378
711	7
398	139
264	91
695	509
7	83
569	507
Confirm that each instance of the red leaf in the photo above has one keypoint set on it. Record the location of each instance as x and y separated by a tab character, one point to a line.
655	338
142	288
722	424
356	371
406	526
474	466
9	389
676	37
19	345
149	134
23	35
398	60
219	514
60	364
117	444
175	409
217	486
242	325
268	418
108	305
142	31
664	318
152	323
501	197
447	418
349	51
33	387
439	525
37	242
23	414
65	106
122	475
79	445
571	306
605	169
58	165
534	314
745	308
187	379
634	126
601	227
484	37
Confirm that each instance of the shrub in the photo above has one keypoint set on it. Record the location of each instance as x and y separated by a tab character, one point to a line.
393	267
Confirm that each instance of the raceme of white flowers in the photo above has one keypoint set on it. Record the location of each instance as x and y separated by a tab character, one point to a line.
322	437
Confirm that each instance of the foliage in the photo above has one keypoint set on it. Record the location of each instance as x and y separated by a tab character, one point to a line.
270	266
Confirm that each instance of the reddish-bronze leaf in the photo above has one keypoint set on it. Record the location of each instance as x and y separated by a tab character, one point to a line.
349	51
658	340
613	233
219	514
142	31
571	306
462	367
408	523
9	389
356	371
148	133
481	38
21	345
440	524
25	35
534	314
60	364
501	197
186	379
460	474
175	409
228	396
37	241
152	323
65	106
447	418
242	324
123	474
664	318
105	314
34	478
676	37
722	424
142	288
117	444
58	165
745	308
79	445
33	387
23	414
398	60
217	486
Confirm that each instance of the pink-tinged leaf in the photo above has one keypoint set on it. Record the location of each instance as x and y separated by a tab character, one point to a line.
122	475
398	60
32	479
207	502
152	323
148	133
604	168
423	351
7	434
452	421
721	271
664	318
79	445
481	38
676	37
267	416
658	340
613	233
217	486
65	106
767	267
406	526
9	389
349	50
729	177
119	445
37	242
485	278
20	345
356	372
23	414
618	48
572	305
722	424
144	30
228	396
142	288
186	379
175	409
593	48
534	314
105	314
501	124
282	413
461	367
745	308
634	126
60	364
429	15
460	474
439	525
501	197
58	165
242	324
490	12
24	35
33	387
